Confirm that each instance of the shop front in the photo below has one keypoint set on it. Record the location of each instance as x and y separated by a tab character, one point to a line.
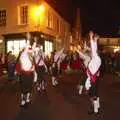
45	41
16	43
48	47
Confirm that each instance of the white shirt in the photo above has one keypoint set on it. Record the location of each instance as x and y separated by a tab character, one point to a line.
95	62
26	64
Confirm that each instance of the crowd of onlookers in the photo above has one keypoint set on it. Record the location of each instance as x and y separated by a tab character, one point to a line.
110	62
7	64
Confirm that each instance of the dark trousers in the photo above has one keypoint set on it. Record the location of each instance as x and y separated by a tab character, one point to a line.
93	92
26	83
41	73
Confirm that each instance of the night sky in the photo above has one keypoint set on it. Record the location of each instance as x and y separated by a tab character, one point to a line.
102	16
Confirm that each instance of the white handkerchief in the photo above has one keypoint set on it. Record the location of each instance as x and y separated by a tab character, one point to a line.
35	76
87	84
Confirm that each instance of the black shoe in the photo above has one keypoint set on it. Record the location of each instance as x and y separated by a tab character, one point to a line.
25	106
22	106
28	103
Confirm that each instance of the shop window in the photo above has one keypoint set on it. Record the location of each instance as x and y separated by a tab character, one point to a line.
2	17
22	44
10	46
15	46
23	15
48	47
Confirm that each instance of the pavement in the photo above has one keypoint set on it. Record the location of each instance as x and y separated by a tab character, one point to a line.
61	102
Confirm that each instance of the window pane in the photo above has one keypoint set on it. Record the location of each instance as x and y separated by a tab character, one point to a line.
23	14
10	46
2	17
22	44
16	47
48	47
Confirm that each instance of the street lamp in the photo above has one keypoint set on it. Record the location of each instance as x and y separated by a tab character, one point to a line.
40	14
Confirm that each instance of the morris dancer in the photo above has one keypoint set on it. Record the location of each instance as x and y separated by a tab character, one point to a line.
41	69
75	63
26	74
56	66
93	71
85	56
65	63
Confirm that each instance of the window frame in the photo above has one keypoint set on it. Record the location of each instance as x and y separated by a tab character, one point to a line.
1	17
19	15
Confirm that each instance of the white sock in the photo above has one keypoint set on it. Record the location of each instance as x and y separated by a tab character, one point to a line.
22	100
53	81
56	82
95	106
80	89
87	84
43	83
43	87
98	102
28	97
38	88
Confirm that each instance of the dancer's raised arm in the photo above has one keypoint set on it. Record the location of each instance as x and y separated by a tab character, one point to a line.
93	43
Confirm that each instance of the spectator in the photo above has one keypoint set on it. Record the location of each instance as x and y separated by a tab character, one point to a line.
11	60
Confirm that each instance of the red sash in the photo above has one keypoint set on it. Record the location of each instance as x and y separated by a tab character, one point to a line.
21	71
93	77
76	64
63	66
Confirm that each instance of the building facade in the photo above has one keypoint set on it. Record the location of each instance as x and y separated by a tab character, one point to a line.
19	17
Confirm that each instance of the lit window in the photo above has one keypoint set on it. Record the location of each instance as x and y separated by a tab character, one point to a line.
16	46
23	15
22	44
2	17
10	46
48	47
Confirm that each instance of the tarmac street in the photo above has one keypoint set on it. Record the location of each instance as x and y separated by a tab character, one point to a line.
62	102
